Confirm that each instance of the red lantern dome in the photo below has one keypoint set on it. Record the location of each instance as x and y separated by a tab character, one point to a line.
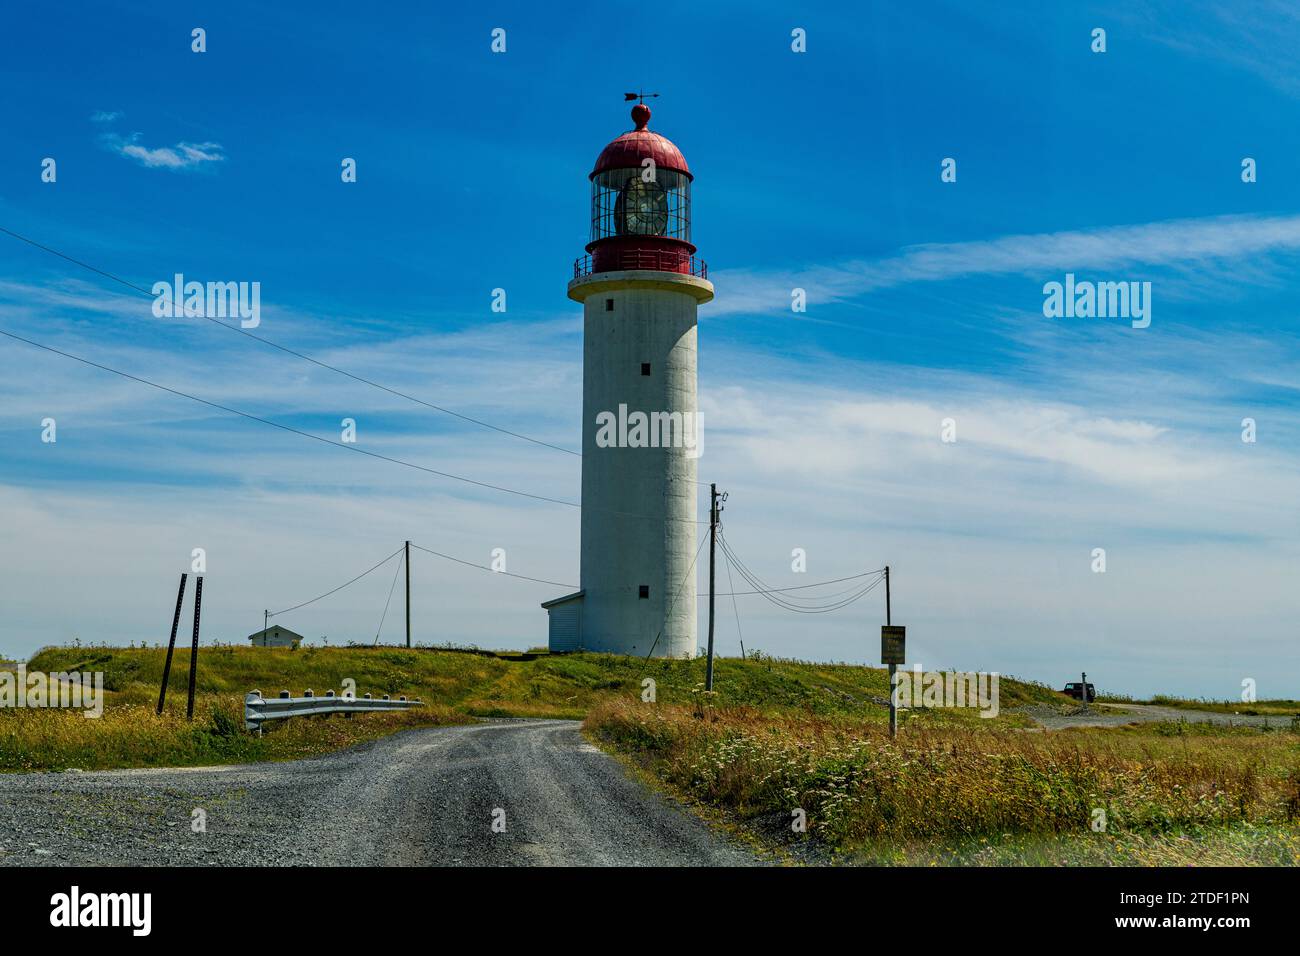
640	205
631	149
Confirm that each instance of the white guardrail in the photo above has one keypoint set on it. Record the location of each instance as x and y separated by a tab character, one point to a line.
258	709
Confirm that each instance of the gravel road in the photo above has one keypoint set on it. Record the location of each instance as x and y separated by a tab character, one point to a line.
1116	715
418	798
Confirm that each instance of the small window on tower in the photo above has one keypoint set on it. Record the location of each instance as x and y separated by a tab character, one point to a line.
645	368
609	305
643	591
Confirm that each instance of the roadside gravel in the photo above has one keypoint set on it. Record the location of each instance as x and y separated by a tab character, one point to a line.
426	797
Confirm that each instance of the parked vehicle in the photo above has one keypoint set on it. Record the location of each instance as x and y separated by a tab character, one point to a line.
1076	690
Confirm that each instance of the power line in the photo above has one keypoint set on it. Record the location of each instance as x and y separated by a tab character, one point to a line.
339	588
391	588
491	570
398	572
699	547
287	428
328	441
804	587
296	354
734	606
786	603
798	609
764	589
305	357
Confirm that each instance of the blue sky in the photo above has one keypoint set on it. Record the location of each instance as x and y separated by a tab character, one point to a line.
818	170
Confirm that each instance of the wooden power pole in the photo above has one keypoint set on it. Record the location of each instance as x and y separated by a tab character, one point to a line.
713	542
893	670
408	593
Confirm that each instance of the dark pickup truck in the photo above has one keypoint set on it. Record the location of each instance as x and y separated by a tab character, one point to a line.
1076	690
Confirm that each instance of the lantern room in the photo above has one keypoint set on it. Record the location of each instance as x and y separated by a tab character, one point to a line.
640	206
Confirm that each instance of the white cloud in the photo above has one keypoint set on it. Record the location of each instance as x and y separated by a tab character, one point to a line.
1259	38
1130	448
181	156
1201	243
990	538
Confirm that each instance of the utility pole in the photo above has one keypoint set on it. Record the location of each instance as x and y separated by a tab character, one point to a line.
893	670
266	624
713	541
408	593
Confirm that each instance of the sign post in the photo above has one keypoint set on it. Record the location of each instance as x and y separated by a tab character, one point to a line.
893	651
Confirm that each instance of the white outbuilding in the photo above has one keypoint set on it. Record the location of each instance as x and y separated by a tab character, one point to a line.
276	636
564	623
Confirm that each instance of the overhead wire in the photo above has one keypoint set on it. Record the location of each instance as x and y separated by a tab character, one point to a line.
339	588
391	588
734	606
294	352
810	600
783	597
774	597
490	570
308	358
347	446
685	578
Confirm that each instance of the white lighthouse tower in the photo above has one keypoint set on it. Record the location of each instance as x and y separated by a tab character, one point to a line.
640	286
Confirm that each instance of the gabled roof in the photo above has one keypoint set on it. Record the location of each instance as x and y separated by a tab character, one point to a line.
575	596
276	627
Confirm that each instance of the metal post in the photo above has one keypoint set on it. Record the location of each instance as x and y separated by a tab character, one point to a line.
171	646
407	559
1083	690
893	670
713	540
194	645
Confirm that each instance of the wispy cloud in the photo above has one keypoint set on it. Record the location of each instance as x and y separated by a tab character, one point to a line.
1133	447
105	116
1258	38
1200	242
991	535
178	157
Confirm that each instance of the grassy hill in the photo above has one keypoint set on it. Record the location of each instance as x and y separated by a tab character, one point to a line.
456	685
775	736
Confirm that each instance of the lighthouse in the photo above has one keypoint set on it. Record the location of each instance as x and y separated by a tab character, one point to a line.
640	286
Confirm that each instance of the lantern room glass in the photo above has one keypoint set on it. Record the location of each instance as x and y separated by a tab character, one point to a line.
625	203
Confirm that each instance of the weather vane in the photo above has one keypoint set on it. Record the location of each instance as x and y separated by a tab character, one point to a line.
628	97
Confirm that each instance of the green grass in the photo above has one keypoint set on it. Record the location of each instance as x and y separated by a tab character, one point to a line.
457	686
945	791
1233	845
